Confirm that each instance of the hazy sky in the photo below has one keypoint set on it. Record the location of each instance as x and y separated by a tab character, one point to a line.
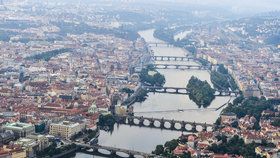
239	5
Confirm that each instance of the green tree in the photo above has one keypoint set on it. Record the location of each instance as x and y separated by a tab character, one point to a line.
200	92
159	150
171	145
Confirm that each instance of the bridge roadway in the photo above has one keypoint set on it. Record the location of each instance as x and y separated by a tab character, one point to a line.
113	152
172	58
193	125
182	67
159	44
182	90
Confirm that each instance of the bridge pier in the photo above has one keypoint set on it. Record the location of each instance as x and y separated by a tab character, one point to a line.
113	153
183	125
141	121
162	123
131	155
152	123
172	125
130	121
204	128
194	127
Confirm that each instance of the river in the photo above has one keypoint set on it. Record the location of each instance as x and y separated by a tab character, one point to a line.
160	105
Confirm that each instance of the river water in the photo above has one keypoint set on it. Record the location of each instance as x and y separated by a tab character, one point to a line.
160	105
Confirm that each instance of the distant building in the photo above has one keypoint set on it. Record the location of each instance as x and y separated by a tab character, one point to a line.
20	129
66	129
6	137
228	118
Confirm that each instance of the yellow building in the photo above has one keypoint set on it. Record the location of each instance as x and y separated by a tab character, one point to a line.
66	129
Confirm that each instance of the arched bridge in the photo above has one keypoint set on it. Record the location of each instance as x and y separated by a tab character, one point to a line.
184	90
114	152
172	58
177	66
163	123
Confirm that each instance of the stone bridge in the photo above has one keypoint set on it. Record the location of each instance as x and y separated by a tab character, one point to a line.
182	90
172	58
182	67
162	123
113	152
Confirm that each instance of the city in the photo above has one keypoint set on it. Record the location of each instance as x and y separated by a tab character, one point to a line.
131	78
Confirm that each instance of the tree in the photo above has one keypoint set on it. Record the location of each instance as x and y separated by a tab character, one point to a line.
127	90
159	150
156	79
171	145
186	155
276	122
222	69
200	91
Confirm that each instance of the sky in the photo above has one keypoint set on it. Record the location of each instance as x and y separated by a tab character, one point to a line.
238	5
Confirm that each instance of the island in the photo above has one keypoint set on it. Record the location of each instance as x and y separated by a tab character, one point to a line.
150	76
200	92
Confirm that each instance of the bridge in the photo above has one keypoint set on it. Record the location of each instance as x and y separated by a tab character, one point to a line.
172	58
184	90
183	125
113	152
182	67
156	44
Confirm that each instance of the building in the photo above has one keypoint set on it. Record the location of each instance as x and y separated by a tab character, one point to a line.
12	151
33	143
66	129
228	118
20	129
6	137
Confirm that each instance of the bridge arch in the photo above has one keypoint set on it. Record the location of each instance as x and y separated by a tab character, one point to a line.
104	152
188	127
178	126
122	154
